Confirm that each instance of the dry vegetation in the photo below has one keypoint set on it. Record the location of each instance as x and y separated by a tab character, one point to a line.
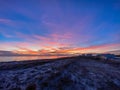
76	73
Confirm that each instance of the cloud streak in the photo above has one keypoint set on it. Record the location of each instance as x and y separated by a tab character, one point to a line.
56	27
21	49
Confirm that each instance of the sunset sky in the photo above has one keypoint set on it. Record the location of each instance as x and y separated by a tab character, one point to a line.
59	26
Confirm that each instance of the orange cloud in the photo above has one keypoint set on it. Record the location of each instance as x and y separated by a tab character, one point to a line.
57	46
25	51
50	50
52	44
97	48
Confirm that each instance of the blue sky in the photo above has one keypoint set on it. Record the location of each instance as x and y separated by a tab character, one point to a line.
55	24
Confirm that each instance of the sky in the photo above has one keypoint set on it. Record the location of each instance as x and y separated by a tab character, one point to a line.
59	26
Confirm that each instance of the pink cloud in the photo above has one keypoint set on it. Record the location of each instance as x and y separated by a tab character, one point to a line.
79	30
7	22
28	48
51	39
37	42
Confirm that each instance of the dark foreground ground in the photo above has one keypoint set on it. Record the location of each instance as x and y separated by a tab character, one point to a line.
75	73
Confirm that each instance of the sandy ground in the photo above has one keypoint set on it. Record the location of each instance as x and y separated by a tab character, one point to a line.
63	74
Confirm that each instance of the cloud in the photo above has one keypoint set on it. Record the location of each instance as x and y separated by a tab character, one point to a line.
55	27
5	20
90	49
7	53
36	42
55	43
97	48
6	34
78	30
8	22
64	50
27	51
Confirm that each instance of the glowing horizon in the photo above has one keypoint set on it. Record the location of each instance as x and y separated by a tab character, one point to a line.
59	27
